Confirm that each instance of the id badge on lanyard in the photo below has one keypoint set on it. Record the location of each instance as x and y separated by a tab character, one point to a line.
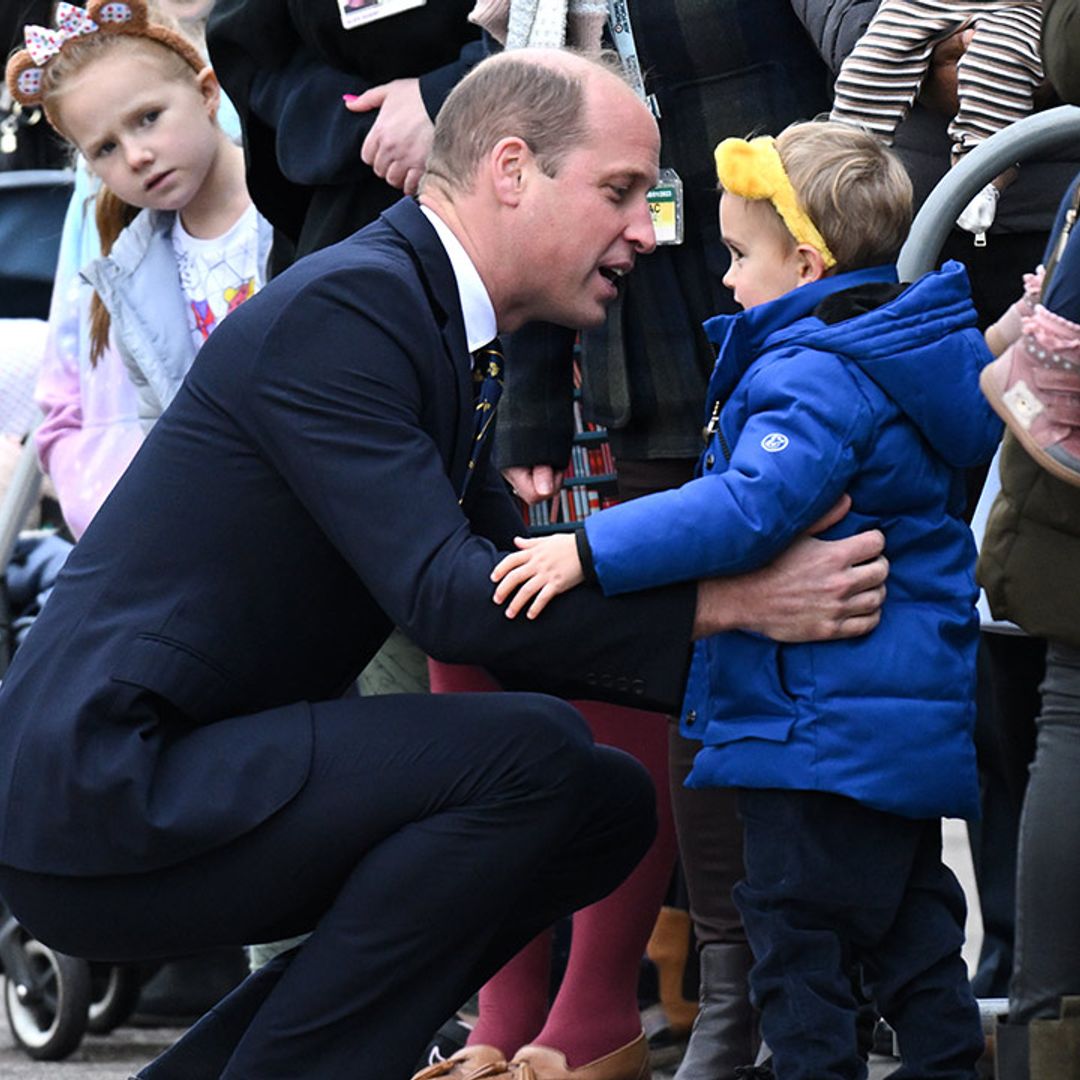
666	203
360	12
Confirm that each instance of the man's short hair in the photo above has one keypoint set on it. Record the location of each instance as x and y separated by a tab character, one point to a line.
854	189
543	104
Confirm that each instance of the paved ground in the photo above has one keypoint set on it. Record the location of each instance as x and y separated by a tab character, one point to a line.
118	1055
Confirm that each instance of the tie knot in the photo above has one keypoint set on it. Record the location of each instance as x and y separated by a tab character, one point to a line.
488	362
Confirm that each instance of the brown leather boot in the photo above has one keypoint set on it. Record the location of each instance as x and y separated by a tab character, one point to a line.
669	948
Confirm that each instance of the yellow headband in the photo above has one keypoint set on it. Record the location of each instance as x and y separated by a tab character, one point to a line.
753	170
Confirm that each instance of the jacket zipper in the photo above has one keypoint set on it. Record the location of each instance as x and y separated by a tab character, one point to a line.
713	428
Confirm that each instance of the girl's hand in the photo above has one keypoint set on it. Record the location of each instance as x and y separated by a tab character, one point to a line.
539	570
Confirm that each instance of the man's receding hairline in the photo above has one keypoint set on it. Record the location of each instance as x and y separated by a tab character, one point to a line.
563	62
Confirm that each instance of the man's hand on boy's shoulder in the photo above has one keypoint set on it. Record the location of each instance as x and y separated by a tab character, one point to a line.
816	590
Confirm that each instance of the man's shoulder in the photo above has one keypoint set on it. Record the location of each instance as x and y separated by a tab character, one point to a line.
375	270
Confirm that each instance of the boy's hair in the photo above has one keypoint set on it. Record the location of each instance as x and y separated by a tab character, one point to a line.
852	187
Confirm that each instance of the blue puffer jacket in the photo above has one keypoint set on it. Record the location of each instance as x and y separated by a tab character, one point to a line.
884	405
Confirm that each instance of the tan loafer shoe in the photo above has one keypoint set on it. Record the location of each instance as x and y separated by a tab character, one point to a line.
471	1063
630	1062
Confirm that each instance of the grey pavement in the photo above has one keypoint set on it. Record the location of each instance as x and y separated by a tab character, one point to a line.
109	1057
117	1056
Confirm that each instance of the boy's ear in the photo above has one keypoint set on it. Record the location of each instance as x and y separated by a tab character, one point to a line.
810	263
210	89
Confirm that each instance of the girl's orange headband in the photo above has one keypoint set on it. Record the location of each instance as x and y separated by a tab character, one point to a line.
26	69
753	170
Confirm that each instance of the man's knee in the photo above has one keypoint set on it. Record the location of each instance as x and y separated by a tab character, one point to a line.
545	724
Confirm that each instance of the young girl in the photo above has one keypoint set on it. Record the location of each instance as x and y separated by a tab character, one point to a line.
139	102
846	754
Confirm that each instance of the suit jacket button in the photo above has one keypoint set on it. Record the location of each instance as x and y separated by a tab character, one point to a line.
638	686
710	460
691	718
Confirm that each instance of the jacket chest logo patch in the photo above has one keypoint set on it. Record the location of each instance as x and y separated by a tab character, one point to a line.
774	442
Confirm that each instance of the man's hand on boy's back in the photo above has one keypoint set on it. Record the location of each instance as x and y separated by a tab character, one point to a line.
817	590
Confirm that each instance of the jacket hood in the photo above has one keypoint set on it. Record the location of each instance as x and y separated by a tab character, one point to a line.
922	348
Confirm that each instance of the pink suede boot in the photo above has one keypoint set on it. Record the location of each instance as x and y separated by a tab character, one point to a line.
1034	386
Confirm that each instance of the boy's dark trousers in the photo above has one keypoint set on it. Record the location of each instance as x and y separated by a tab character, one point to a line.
831	883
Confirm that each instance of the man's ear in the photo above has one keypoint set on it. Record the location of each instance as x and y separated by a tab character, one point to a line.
210	89
811	265
510	161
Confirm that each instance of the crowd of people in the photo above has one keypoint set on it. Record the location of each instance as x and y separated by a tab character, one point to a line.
312	250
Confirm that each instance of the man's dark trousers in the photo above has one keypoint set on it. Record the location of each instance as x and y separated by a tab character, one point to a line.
488	817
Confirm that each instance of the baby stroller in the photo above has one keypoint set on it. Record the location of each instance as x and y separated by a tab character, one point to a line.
50	999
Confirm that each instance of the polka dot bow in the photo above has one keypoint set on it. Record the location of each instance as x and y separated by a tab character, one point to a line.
71	22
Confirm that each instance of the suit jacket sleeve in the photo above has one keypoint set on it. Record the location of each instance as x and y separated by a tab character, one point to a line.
361	427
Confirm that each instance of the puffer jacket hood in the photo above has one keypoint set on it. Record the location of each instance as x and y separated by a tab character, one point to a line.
894	344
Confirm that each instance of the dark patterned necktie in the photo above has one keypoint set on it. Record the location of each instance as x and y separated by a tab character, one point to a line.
487	389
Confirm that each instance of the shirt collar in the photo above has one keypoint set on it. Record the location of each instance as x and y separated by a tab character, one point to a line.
477	310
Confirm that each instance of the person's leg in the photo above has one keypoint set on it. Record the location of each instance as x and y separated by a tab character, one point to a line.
596	1008
915	972
711	847
803	881
434	838
1047	954
513	1003
1010	669
829	883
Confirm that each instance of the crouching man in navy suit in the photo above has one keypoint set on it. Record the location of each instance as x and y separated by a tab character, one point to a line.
179	768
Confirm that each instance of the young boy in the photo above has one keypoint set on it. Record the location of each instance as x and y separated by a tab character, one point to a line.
836	379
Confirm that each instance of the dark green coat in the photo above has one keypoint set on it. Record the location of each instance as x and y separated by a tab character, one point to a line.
1061	47
1030	560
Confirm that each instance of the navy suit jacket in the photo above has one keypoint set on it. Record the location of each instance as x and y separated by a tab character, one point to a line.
298	498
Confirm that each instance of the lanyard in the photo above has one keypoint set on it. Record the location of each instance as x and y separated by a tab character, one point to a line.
622	36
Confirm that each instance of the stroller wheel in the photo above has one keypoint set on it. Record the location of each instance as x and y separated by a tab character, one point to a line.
48	1012
114	993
